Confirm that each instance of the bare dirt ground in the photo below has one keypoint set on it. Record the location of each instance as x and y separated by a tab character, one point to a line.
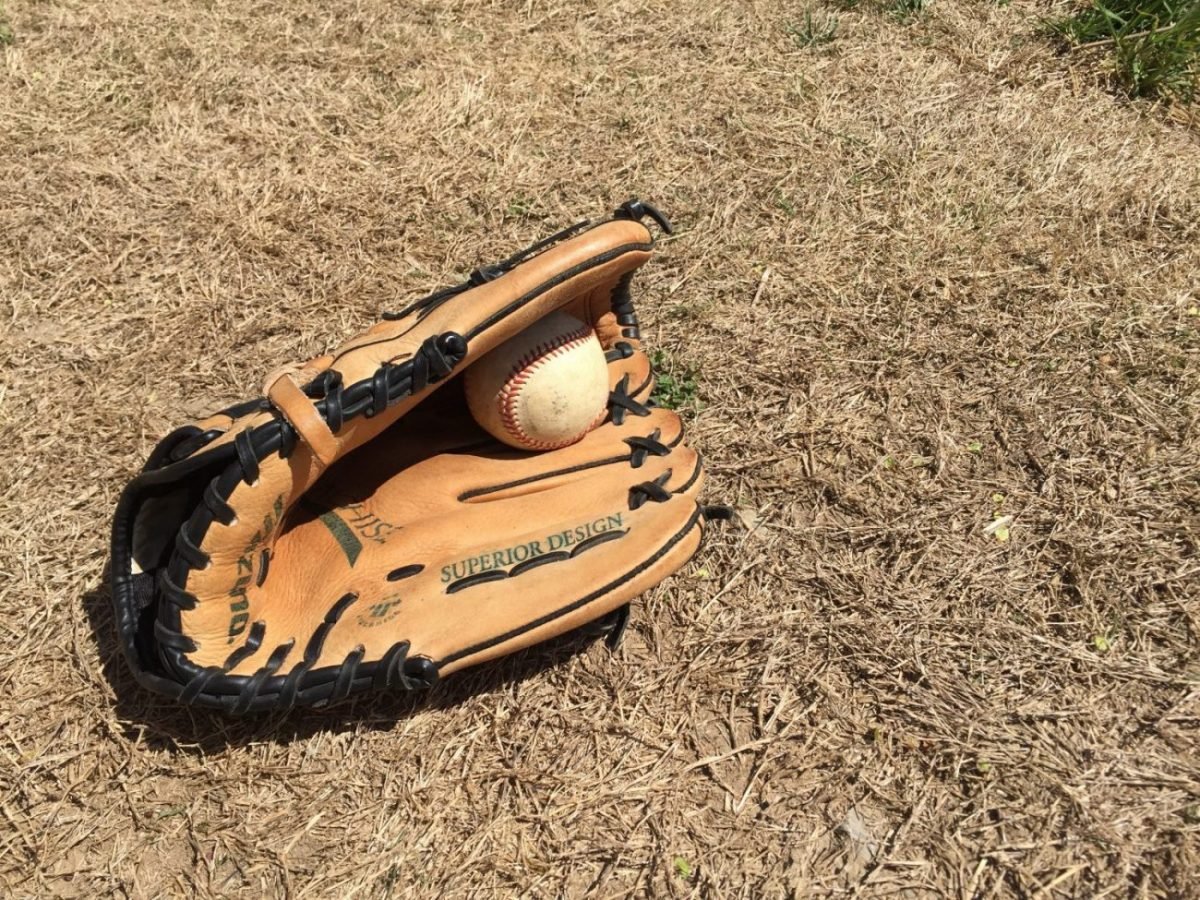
927	275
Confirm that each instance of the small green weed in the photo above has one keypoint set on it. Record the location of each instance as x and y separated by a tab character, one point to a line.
692	311
901	10
675	386
1155	44
7	36
907	10
519	207
813	31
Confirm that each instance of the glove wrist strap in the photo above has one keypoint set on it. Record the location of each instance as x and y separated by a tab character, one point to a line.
302	415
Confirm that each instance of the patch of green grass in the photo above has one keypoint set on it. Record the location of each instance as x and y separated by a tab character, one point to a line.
675	386
693	311
813	31
519	207
903	10
907	10
7	36
1155	44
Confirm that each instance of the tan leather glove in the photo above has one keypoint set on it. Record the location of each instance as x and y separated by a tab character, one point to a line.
356	529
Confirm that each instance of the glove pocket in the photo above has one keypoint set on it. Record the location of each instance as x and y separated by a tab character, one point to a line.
595	545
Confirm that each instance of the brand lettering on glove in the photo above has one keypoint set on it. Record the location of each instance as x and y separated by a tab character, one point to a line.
239	604
506	557
380	613
359	522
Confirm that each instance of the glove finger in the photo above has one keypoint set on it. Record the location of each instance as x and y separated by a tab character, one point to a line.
491	563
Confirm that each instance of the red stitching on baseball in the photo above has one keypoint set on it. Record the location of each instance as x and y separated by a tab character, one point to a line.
521	371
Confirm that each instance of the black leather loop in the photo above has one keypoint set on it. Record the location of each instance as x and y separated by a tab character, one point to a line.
640	447
246	456
621	403
149	603
380	386
654	491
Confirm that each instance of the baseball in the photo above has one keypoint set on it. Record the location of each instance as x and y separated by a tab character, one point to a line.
543	388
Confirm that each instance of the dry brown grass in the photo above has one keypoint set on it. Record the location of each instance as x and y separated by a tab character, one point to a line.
928	278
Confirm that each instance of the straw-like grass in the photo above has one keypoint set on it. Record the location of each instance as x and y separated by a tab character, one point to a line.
934	297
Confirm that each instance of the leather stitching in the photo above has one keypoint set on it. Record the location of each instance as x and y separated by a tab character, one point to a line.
212	686
522	370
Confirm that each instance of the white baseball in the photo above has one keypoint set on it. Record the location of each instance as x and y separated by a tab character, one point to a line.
543	388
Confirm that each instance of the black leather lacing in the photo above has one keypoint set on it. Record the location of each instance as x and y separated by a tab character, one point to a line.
174	594
620	402
217	506
316	643
654	491
610	626
187	447
379	388
336	403
212	685
615	624
196	558
196	685
389	672
173	639
253	641
622	300
620	350
622	307
433	361
345	676
246	457
631	209
640	447
638	209
254	683
329	385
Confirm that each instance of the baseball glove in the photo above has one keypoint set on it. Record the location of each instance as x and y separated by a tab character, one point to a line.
355	528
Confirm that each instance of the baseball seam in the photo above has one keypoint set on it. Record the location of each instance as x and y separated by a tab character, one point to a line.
522	370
